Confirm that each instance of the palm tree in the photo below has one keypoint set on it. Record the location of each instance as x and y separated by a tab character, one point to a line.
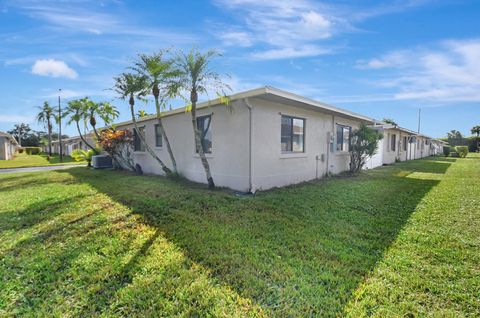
130	86
77	111
141	114
194	77
476	130
106	111
160	77
45	116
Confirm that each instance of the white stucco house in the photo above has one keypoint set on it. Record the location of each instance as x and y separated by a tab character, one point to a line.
8	146
264	138
401	144
71	144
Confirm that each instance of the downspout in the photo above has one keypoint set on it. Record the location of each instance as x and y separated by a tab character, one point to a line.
250	137
329	145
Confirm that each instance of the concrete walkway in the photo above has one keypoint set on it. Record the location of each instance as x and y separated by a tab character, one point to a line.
43	168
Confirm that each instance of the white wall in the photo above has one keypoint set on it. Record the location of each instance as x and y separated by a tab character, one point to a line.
272	168
7	149
229	158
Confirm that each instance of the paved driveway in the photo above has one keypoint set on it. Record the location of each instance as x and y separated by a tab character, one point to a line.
31	169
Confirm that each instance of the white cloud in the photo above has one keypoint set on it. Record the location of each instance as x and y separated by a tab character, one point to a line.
289	29
290	52
53	68
445	72
15	119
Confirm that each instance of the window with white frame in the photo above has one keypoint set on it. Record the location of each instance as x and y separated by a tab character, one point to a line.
138	145
292	134
343	137
393	142
158	136
205	127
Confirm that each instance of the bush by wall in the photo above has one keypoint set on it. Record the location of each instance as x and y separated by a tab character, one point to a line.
446	150
20	150
33	150
462	151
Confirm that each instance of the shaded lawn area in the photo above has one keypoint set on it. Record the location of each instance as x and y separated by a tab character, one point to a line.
398	240
23	160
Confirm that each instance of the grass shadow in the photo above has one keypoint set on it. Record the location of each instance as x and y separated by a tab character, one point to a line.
296	251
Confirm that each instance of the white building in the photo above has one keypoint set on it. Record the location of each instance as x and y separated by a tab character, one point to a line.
264	138
71	144
8	146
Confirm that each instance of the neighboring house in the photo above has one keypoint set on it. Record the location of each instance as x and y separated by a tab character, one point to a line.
8	146
71	144
264	138
401	144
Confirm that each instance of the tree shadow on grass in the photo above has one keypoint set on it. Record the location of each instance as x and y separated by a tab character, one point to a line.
297	251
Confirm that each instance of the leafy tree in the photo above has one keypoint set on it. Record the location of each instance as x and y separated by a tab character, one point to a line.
78	112
130	86
19	131
454	137
364	143
119	144
160	80
390	121
476	130
45	116
196	77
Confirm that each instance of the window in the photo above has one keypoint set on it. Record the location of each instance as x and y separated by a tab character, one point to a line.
158	136
292	134
405	142
137	142
393	142
204	125
343	138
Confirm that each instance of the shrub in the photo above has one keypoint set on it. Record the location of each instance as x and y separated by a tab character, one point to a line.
462	151
20	150
33	150
119	144
454	154
364	142
83	155
446	150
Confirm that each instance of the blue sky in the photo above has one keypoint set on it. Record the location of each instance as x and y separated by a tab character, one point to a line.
378	58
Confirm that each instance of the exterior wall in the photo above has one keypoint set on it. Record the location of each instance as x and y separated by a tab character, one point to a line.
7	148
230	146
377	159
272	168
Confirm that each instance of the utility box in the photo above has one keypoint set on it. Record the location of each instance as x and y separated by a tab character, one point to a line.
102	162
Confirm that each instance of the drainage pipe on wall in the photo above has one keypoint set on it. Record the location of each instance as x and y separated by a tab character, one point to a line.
250	146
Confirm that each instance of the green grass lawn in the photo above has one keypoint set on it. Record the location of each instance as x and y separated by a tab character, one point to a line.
398	241
23	160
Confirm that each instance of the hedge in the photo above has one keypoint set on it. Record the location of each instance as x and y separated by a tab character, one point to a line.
462	151
33	150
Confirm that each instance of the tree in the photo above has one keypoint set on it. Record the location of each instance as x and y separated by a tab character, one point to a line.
364	143
119	144
390	121
130	86
106	111
19	131
141	114
78	112
454	137
476	130
45	116
160	76
195	77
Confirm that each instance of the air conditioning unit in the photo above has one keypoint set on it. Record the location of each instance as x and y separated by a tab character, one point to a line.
102	162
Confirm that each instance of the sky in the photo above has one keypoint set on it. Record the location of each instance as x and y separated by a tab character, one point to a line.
383	59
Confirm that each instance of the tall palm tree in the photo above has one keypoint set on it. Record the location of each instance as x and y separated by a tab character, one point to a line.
196	77
77	111
160	76
106	111
476	130
130	86
45	116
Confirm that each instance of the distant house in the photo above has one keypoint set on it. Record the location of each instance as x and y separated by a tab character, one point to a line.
401	144
8	146
264	138
71	144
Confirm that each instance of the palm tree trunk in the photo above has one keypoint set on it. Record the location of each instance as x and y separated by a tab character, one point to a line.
49	138
83	139
147	147
167	142
198	143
